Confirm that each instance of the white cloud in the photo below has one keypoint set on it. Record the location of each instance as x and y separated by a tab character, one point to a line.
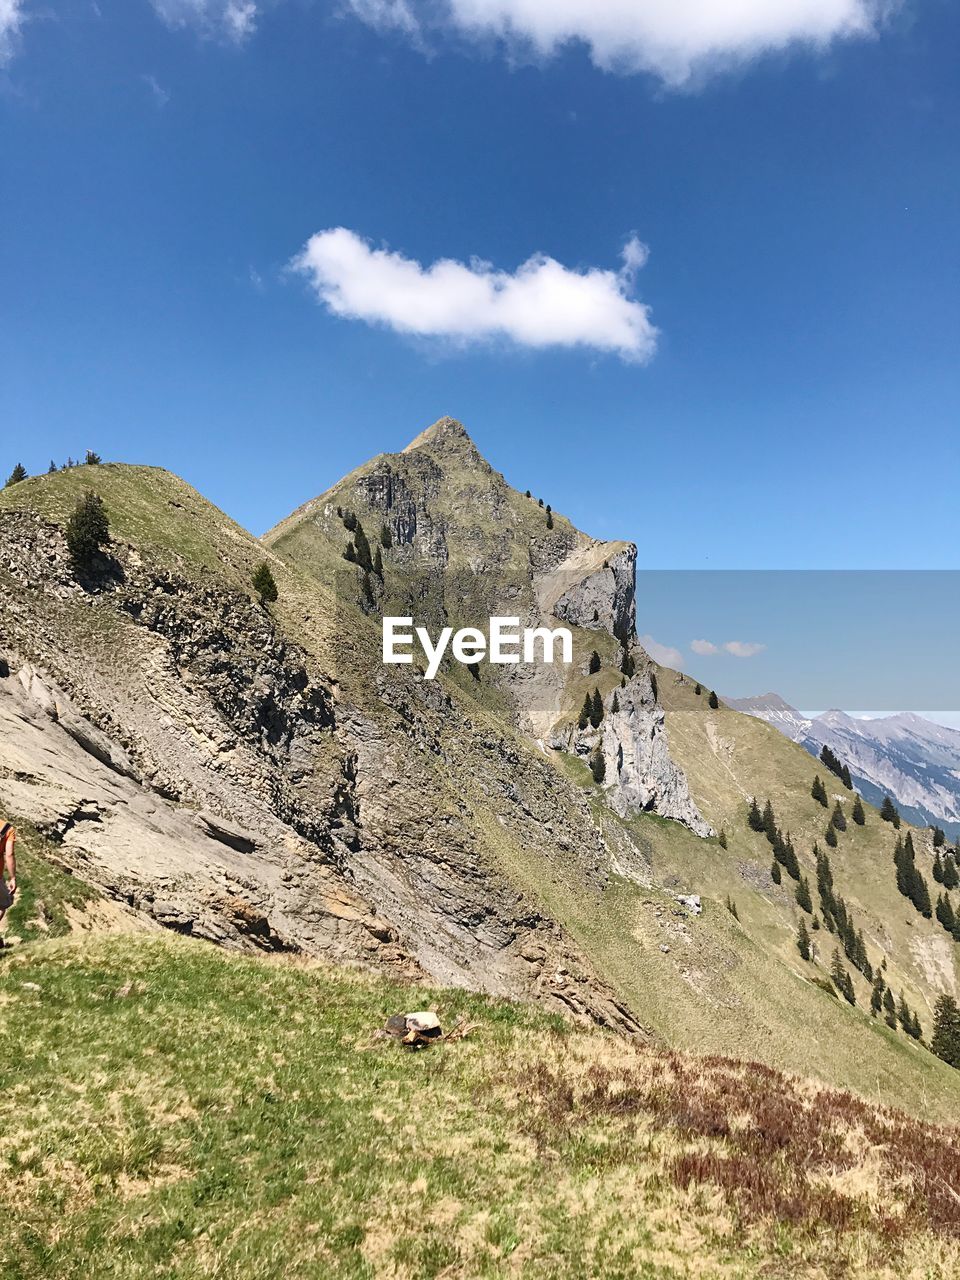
231	19
674	39
11	19
541	304
662	653
737	648
157	91
744	648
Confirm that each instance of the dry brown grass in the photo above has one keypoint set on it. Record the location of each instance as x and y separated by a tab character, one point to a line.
781	1152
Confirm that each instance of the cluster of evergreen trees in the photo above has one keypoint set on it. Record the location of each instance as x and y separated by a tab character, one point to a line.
895	1012
888	812
910	882
945	869
840	977
20	472
592	710
836	766
838	918
784	854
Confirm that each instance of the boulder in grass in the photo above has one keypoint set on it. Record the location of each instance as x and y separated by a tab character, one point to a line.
415	1029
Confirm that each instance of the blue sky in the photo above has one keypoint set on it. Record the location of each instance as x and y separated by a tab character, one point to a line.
800	207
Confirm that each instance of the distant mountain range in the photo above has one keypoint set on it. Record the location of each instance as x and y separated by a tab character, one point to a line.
904	756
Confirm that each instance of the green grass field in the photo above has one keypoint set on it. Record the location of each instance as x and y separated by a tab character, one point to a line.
168	1110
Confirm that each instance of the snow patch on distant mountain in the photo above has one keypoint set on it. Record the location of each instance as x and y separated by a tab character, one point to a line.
904	756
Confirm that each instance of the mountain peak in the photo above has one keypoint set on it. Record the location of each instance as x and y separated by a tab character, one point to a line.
447	433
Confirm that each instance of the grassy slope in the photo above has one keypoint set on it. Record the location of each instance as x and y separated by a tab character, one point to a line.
168	1109
723	987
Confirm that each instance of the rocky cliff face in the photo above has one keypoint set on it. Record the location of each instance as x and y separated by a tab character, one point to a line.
192	760
452	518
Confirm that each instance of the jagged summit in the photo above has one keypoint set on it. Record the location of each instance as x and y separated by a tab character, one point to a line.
445	431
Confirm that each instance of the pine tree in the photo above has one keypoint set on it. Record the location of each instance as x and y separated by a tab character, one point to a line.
819	791
594	664
378	563
349	521
786	855
527	494
946	914
888	812
88	529
903	1012
837	818
698	690
92	459
802	895
627	665
803	940
776	875
858	815
585	712
549	518
713	700
754	817
946	1030
598	766
770	823
596	709
615	704
264	585
937	868
889	1009
815	922
939	837
540	501
915	1030
831	837
52	468
845	778
364	558
18	473
722	839
386	537
876	995
841	979
951	877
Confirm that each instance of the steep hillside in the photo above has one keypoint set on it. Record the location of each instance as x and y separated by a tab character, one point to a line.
904	756
172	1110
258	778
731	757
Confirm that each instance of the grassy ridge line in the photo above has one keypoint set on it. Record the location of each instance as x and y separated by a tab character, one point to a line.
169	1109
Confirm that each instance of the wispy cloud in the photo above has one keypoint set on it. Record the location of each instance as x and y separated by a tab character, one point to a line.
11	20
736	648
232	20
676	40
743	648
157	91
662	653
540	304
